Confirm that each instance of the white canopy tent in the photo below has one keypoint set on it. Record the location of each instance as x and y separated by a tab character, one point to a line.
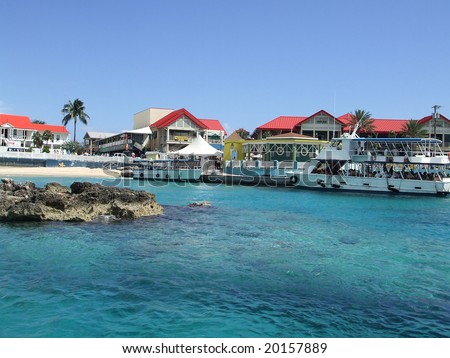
199	147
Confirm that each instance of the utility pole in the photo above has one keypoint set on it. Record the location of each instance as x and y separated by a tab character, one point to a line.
435	117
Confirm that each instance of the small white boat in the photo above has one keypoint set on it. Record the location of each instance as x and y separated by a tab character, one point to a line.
386	165
168	170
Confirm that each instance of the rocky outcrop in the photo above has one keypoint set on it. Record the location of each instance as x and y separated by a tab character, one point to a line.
80	202
200	204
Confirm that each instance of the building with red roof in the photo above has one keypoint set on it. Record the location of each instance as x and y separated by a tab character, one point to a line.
321	125
382	127
172	130
438	127
18	131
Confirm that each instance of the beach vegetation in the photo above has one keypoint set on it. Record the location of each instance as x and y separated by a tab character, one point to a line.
414	129
365	120
74	111
72	147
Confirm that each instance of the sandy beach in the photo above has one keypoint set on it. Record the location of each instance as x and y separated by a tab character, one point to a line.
74	172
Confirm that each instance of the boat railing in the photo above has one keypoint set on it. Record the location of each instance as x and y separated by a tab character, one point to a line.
284	164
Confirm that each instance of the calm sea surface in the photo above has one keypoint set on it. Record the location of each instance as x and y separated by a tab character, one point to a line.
261	262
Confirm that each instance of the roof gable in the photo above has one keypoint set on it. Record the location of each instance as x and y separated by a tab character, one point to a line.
325	113
15	121
234	137
172	117
430	117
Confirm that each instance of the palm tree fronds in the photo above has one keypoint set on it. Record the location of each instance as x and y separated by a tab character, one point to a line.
74	111
414	129
366	123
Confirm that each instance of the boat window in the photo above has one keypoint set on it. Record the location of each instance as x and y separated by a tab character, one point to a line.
336	143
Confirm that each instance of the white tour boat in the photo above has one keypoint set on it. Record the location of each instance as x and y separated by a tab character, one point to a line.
168	170
386	165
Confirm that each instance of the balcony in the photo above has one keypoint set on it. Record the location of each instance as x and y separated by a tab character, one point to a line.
179	139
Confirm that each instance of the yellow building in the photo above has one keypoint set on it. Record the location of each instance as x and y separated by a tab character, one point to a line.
233	147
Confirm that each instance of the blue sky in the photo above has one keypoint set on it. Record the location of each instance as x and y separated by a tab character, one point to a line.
242	62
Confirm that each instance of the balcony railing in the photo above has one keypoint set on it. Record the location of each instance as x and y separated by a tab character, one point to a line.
116	143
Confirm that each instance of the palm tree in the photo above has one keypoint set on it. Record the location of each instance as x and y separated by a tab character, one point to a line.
414	129
74	111
37	140
47	135
365	120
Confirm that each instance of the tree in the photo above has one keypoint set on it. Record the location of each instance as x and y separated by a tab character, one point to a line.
37	121
37	140
366	123
74	111
392	134
47	135
72	147
243	133
414	129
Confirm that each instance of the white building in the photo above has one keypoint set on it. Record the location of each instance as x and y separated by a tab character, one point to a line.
17	132
149	116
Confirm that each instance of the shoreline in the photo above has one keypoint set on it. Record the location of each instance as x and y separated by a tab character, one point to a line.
74	172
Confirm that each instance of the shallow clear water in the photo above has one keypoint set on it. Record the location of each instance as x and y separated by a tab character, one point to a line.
261	262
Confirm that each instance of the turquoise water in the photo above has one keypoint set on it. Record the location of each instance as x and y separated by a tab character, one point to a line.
261	262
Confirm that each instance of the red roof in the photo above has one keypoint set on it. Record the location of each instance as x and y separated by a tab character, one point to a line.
281	123
23	122
429	118
15	121
345	118
213	125
388	125
168	119
380	125
290	122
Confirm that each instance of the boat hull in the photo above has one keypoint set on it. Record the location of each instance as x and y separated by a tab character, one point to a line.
371	184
